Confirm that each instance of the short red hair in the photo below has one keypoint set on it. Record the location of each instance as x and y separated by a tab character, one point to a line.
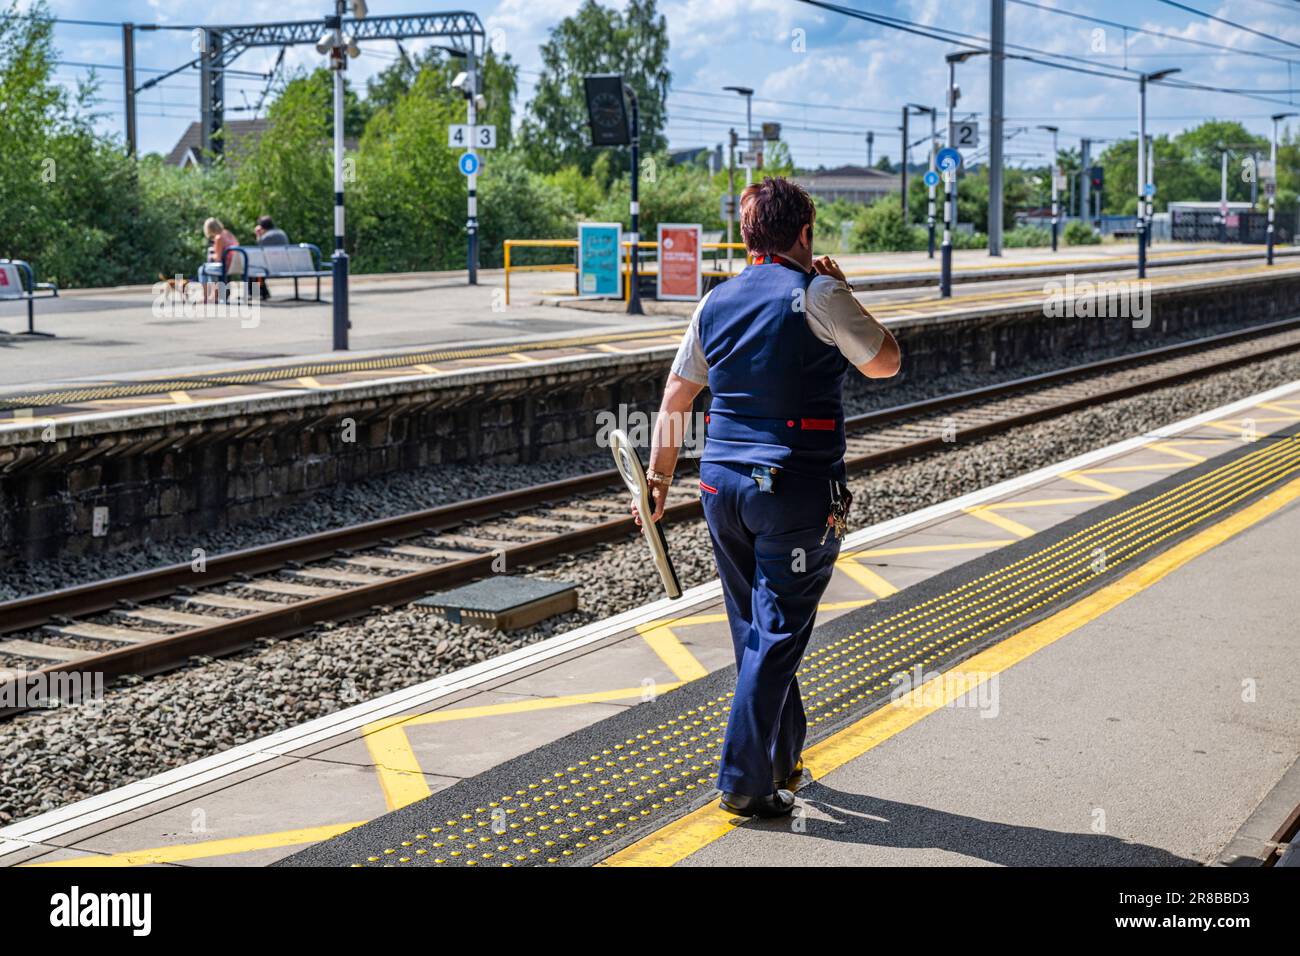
773	213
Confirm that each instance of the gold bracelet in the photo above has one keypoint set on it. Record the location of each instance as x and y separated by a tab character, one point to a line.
656	478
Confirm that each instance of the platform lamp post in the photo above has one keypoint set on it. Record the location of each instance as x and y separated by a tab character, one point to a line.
613	124
1271	185
1143	80
748	155
950	187
339	46
1056	199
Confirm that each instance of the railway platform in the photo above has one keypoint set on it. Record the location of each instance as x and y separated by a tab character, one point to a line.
150	358
1026	674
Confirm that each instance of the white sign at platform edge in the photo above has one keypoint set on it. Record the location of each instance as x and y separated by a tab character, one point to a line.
670	227
464	136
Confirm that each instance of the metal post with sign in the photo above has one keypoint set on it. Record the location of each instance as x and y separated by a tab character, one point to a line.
947	161
339	46
608	116
471	138
1057	182
1270	180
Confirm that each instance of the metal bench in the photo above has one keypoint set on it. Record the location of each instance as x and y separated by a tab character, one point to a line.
250	263
12	287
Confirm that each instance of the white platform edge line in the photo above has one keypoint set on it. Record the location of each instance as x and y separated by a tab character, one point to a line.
131	796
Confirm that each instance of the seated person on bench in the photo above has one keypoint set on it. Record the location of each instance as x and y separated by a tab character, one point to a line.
220	239
268	235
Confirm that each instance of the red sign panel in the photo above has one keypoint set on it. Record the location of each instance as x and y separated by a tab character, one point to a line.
679	260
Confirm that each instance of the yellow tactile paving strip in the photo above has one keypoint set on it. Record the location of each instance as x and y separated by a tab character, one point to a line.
401	780
683	837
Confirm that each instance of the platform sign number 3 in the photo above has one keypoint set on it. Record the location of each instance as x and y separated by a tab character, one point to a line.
463	136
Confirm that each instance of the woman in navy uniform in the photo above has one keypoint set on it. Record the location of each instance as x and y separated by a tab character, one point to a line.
773	345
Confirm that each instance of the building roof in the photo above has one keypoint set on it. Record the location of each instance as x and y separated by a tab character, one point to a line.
240	135
849	182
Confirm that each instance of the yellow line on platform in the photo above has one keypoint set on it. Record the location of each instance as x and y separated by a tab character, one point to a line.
1087	481
1169	449
864	576
985	513
400	776
208	848
672	651
1121	469
698	829
927	548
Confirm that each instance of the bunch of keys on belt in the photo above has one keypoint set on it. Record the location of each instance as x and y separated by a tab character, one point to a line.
838	519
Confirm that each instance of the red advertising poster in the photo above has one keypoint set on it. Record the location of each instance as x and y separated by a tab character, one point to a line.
679	260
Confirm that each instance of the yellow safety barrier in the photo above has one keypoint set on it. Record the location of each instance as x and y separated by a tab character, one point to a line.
572	267
535	243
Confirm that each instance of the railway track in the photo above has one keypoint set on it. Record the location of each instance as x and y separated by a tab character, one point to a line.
155	620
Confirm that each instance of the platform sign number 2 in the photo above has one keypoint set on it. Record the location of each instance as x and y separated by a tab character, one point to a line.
462	136
966	134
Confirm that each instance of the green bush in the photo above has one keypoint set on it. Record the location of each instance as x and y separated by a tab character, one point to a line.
880	228
1079	233
1026	236
969	240
828	231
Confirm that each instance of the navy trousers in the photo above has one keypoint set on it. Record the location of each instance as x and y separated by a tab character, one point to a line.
774	571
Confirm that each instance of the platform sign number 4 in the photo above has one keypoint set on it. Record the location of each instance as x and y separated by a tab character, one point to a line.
462	136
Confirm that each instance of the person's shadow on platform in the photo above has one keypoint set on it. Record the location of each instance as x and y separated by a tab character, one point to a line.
873	821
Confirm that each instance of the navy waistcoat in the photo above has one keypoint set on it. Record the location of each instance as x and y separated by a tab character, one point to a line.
777	388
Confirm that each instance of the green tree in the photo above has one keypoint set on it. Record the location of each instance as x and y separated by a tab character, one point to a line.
596	39
499	81
668	193
288	173
409	211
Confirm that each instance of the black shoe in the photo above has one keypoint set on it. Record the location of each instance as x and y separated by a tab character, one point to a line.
778	804
791	782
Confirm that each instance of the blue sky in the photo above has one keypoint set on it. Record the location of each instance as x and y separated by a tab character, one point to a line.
827	78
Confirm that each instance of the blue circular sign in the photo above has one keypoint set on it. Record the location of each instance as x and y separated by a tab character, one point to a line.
931	178
948	160
469	163
1149	189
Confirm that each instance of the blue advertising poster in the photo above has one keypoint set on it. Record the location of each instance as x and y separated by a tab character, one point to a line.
599	272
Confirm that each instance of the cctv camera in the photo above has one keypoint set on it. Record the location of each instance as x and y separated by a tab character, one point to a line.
326	42
461	81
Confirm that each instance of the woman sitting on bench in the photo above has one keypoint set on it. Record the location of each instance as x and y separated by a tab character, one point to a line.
220	239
